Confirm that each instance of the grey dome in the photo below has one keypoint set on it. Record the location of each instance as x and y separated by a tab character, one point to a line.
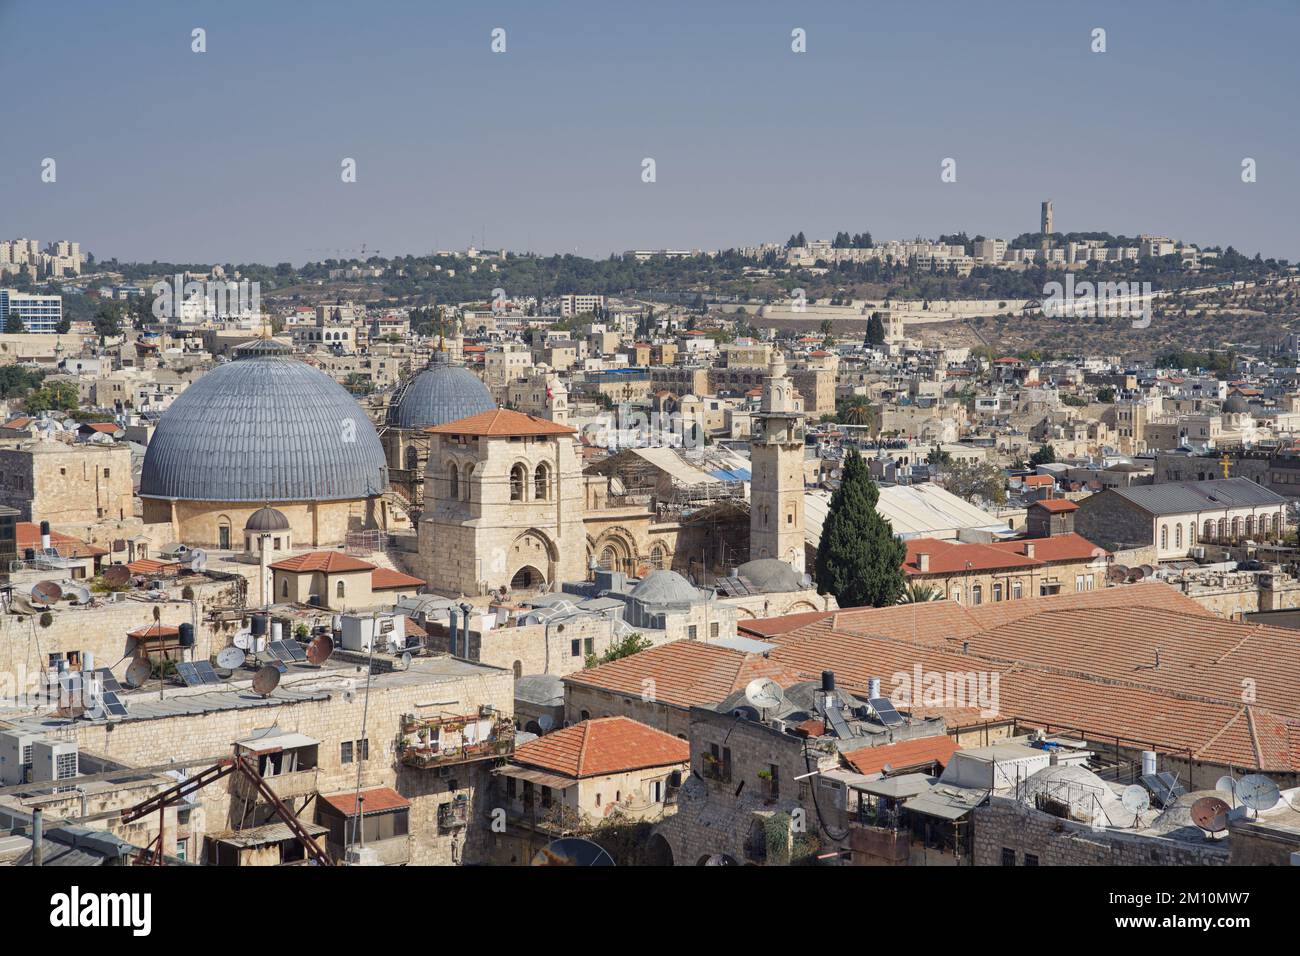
267	519
264	428
666	587
1236	405
771	575
437	394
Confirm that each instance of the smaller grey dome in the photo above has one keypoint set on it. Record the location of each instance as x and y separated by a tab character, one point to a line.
439	393
771	575
267	519
1236	405
666	587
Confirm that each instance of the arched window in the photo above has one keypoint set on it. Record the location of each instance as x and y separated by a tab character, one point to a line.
284	588
1016	591
1191	532
541	482
518	476
956	595
1236	527
339	589
1208	534
453	480
977	594
1178	536
1223	528
1164	537
1250	525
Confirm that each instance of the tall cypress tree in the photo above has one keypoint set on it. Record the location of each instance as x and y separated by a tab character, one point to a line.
858	558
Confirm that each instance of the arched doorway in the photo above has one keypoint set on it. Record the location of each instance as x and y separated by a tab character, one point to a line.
658	852
527	578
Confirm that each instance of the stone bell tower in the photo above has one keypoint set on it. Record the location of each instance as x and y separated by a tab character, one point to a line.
776	519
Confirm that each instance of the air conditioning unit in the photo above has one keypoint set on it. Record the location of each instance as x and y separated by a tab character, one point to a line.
53	760
16	756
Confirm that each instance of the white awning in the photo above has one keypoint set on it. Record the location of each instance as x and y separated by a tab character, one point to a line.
264	743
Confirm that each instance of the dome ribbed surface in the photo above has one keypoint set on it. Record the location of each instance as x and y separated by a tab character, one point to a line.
264	428
438	394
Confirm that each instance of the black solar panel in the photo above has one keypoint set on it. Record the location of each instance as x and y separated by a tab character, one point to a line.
206	673
1164	787
295	651
289	652
107	680
113	704
885	711
187	672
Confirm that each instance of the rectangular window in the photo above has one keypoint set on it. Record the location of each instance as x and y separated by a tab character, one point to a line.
345	752
690	632
1031	859
1008	857
589	645
363	749
575	648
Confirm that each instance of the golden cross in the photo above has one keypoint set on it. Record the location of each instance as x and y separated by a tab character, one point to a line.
1226	462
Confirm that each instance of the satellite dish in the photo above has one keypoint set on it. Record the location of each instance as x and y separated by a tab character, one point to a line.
1258	792
138	672
319	649
46	593
764	693
1210	814
117	575
406	660
198	559
1227	784
1135	799
78	594
231	657
266	680
243	640
546	722
572	851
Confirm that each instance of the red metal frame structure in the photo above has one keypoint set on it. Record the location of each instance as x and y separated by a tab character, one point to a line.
223	768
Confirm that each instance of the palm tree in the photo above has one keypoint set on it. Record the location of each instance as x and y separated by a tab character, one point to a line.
918	593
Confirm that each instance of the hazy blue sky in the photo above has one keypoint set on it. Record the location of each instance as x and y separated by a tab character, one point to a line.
234	154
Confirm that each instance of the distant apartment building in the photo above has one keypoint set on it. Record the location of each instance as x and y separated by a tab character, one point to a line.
571	305
38	313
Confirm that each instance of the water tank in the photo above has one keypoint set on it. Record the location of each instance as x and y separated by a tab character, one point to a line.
259	625
1148	762
187	635
873	687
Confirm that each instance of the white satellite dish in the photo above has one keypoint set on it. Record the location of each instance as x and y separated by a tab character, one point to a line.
1228	785
198	559
763	693
1258	792
406	660
546	722
230	657
243	640
1135	799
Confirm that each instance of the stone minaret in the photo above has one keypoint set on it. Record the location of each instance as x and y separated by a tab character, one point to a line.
776	487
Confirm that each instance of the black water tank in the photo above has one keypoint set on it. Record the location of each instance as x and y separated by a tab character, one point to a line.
45	527
187	635
259	625
828	680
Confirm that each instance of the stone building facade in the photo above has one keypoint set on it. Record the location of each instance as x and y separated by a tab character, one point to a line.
65	483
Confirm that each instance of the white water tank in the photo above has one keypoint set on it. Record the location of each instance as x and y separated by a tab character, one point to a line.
1148	762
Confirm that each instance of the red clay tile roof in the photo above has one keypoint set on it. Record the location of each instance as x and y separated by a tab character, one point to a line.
27	534
108	428
1037	481
381	579
500	422
1058	547
372	801
767	626
607	745
1086	661
950	557
685	673
154	630
20	422
329	562
903	755
150	566
1055	505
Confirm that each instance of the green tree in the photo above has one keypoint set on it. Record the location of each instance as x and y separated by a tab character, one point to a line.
858	558
14	324
875	330
974	479
1046	455
918	592
625	646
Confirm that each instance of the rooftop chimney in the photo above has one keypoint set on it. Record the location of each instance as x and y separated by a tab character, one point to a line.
923	561
1029	549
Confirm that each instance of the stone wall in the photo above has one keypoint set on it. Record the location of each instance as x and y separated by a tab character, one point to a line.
1007	823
